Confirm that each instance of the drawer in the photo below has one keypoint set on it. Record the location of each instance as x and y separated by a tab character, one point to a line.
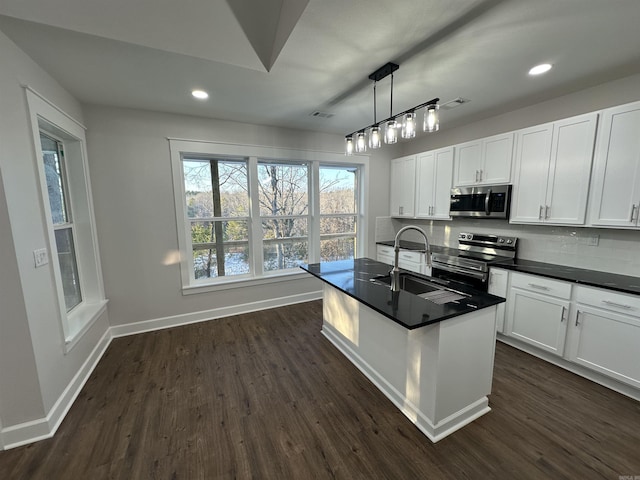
385	250
411	256
609	300
543	285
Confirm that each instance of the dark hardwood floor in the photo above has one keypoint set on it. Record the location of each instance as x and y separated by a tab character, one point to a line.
266	396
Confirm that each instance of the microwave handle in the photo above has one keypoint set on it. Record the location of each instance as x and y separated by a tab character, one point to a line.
486	203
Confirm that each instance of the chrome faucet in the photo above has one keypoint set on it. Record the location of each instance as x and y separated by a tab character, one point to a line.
395	273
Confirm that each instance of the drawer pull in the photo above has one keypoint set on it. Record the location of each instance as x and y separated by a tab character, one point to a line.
619	305
541	287
564	309
578	318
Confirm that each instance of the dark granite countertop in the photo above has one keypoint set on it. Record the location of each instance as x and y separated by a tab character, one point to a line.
593	278
583	276
353	277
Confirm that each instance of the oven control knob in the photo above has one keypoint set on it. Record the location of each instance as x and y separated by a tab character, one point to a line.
463	236
509	241
501	240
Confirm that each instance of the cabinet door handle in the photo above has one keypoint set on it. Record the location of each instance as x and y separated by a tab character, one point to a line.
541	287
480	174
546	211
564	309
401	210
619	305
540	213
578	318
635	209
633	212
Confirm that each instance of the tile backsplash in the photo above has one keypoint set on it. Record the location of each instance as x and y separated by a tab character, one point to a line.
608	250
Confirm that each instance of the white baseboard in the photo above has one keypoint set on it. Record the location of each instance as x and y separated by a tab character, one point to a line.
203	316
32	431
42	428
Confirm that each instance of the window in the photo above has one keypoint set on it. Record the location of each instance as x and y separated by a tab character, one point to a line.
284	212
61	218
71	238
248	213
217	201
338	212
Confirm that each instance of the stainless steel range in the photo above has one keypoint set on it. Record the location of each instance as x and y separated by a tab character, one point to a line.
470	263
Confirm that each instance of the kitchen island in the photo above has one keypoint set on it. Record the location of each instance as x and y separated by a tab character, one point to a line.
433	360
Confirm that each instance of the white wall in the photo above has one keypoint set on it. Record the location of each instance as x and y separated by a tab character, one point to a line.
135	213
34	371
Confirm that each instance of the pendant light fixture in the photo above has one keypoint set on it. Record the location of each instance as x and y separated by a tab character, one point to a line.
403	121
431	118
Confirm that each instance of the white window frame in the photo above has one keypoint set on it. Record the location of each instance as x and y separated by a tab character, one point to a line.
185	148
47	117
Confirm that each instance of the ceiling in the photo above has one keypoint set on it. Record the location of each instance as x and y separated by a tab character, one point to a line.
275	62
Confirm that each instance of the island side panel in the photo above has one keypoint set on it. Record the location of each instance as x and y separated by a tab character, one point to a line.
416	369
466	354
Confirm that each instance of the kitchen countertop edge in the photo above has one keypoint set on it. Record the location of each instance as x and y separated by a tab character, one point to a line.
370	294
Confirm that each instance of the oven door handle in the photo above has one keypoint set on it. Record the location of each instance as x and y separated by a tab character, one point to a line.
486	202
451	268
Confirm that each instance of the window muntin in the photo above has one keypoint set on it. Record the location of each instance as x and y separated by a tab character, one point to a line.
338	187
217	206
61	218
283	195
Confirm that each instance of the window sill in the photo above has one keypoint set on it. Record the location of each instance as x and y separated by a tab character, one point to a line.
80	321
241	283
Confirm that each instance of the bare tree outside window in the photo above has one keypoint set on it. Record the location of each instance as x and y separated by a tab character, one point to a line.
217	199
284	208
234	204
338	213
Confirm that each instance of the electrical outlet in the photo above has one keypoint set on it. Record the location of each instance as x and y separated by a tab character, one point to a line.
40	257
593	240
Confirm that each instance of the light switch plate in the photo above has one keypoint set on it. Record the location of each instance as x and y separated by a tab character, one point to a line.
40	257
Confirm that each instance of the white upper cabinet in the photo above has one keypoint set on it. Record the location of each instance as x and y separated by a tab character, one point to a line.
552	171
434	172
402	187
615	199
484	162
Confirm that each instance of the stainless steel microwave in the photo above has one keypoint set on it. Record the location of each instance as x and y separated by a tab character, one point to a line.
487	201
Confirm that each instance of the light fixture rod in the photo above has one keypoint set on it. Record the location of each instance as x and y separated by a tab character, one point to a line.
391	98
375	116
433	101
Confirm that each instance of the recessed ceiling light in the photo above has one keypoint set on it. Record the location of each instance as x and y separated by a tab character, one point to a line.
540	69
200	94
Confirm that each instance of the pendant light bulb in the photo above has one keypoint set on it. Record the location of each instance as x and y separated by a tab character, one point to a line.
348	145
431	118
361	144
409	125
391	132
374	137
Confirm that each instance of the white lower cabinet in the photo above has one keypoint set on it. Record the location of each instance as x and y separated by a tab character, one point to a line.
606	334
498	284
411	260
537	311
384	254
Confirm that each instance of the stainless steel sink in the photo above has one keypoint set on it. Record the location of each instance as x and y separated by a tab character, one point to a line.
423	288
